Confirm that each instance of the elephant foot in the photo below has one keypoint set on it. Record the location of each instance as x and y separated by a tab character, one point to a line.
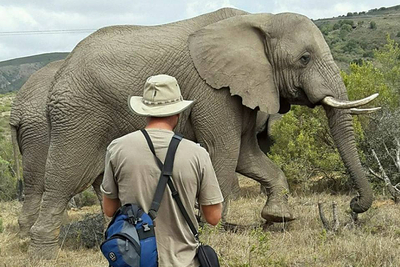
277	211
44	242
43	251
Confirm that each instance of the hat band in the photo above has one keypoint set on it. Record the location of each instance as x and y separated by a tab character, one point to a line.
144	101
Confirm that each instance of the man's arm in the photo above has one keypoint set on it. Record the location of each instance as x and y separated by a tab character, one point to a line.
212	213
110	205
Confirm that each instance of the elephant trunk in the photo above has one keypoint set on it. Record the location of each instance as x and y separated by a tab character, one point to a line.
341	126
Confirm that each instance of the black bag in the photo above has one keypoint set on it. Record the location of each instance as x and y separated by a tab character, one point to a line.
205	254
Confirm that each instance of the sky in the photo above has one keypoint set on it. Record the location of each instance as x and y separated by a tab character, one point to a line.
29	27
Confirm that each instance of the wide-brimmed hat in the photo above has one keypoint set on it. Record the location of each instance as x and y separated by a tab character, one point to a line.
161	98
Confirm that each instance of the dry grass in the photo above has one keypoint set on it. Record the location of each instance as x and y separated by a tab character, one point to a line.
374	241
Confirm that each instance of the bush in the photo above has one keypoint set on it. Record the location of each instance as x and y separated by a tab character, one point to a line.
1	226
372	25
86	198
89	198
8	181
336	26
301	148
369	54
398	34
351	46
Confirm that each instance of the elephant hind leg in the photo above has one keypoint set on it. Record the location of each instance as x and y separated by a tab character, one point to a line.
34	169
30	208
66	175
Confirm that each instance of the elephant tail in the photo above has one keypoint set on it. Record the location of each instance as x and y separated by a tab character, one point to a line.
16	151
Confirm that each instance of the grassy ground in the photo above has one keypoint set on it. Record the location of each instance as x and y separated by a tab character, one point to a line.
374	241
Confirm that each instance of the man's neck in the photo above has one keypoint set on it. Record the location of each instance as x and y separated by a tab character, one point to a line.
159	124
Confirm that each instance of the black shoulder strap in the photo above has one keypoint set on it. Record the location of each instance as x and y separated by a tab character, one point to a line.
166	172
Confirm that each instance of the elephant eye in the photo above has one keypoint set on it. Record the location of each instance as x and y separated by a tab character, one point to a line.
305	58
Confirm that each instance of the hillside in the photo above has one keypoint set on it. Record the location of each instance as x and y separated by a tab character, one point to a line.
15	72
353	37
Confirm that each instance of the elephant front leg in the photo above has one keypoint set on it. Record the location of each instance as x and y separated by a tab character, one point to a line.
255	164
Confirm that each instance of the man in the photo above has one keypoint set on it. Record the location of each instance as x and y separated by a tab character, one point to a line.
131	173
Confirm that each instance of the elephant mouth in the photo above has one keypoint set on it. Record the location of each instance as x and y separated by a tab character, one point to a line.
301	98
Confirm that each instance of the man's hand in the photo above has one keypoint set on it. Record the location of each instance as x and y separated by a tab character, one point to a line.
212	213
110	205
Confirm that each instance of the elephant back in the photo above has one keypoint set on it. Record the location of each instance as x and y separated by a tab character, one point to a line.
114	63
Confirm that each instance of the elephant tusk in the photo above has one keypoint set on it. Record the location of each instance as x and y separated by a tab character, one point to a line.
332	102
358	111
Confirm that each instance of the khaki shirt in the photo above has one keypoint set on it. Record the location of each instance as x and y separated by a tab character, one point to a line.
131	174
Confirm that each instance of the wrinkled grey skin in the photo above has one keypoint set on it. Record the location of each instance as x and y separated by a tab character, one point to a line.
230	63
30	135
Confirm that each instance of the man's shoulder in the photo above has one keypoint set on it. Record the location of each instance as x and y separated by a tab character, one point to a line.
123	140
194	148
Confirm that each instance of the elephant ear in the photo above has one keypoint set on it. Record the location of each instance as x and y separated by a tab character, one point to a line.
231	53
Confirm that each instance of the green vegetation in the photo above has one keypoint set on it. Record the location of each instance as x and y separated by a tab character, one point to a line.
354	37
372	25
8	180
297	150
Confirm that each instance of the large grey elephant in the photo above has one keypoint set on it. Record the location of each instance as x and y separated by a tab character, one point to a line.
232	63
30	134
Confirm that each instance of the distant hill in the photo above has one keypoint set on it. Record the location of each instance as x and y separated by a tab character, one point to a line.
354	36
15	72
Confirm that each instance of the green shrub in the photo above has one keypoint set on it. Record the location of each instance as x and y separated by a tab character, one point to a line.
301	145
8	181
372	25
336	26
351	46
369	54
398	34
89	198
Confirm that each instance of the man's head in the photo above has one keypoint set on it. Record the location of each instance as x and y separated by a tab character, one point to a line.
161	98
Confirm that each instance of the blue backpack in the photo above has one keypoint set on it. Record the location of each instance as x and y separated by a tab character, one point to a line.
130	239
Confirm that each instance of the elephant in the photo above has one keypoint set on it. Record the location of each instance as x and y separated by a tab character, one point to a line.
30	135
232	63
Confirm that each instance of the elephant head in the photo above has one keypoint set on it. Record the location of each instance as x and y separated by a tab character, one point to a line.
273	61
